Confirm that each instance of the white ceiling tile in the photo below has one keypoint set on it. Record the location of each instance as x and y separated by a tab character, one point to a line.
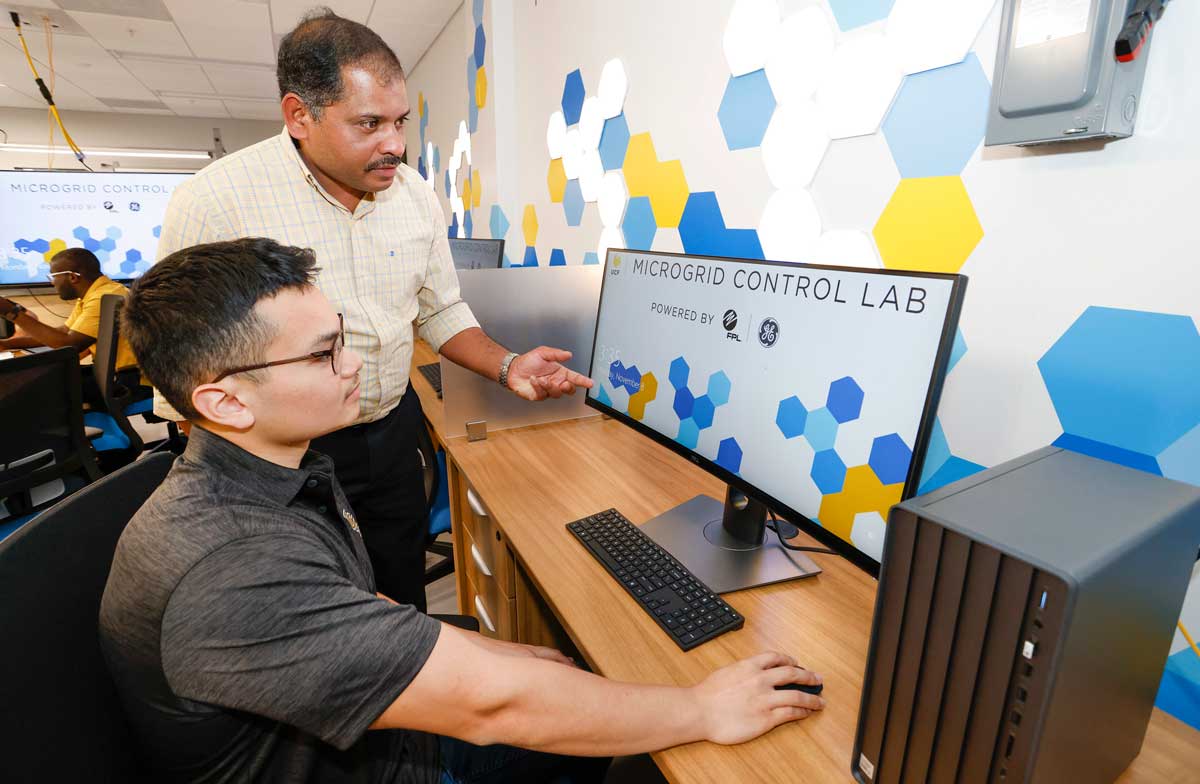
177	77
254	110
127	34
225	29
286	14
88	65
196	107
243	81
409	41
139	9
10	97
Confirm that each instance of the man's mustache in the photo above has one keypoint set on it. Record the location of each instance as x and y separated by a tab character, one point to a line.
386	162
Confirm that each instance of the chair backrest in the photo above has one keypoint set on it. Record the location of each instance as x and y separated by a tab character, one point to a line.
60	715
41	422
430	470
116	395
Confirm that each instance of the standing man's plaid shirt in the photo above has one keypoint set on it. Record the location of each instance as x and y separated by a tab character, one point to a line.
383	266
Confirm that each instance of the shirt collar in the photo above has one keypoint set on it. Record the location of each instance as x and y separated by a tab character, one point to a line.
292	152
277	483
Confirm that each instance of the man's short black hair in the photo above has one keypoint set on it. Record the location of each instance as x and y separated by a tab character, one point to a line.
80	260
191	316
311	58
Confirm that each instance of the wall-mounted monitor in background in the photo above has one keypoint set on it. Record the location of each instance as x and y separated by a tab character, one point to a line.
116	215
809	389
476	254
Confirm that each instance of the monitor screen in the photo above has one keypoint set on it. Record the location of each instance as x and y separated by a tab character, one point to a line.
811	388
115	215
476	254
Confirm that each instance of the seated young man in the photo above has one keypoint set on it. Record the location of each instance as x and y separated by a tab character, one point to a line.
241	622
76	275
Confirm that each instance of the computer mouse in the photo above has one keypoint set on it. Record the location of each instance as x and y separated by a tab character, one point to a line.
804	687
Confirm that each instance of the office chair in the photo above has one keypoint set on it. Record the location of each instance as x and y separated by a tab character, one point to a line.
62	719
44	453
437	505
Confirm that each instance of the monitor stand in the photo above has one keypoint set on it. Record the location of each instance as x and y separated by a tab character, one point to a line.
725	545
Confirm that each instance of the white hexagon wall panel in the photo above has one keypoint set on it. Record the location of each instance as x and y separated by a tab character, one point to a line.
613	198
858	87
800	56
556	135
572	156
612	89
794	144
749	34
847	248
925	34
610	237
591	175
790	225
591	123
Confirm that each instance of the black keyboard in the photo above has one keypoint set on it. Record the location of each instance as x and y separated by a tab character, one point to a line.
433	374
682	605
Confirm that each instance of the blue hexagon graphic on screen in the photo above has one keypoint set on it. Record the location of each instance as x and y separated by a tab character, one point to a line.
696	411
628	377
1125	384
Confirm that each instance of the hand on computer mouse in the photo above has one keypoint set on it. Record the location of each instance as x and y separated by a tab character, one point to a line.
740	701
804	687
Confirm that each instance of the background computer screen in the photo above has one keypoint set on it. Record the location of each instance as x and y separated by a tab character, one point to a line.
476	254
810	387
115	215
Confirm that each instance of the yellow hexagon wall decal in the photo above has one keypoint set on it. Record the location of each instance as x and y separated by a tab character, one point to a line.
861	492
420	103
529	225
556	181
466	193
476	190
929	225
662	181
481	87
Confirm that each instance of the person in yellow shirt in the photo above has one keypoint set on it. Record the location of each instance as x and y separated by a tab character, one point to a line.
76	275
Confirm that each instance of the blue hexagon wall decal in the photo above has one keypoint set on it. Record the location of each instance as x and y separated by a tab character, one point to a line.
498	223
821	429
437	158
480	44
573	203
421	170
452	230
572	96
718	388
468	225
679	372
845	399
890	458
746	110
856	13
702	231
828	471
558	258
530	259
638	224
729	455
614	141
684	402
703	411
1126	378
791	417
477	11
957	350
938	119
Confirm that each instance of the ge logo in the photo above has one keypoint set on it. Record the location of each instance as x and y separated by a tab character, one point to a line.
729	319
768	332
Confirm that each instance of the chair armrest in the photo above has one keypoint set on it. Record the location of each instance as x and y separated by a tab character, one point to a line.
467	622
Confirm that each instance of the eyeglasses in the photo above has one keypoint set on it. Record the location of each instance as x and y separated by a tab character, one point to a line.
334	353
51	275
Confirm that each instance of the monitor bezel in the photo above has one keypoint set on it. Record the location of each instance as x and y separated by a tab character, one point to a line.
924	428
55	172
499	255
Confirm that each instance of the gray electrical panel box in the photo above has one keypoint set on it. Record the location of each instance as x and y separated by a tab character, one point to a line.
1057	78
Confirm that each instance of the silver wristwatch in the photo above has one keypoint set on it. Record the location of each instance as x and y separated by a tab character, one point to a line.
504	366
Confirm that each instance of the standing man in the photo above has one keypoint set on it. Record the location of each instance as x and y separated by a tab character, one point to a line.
333	181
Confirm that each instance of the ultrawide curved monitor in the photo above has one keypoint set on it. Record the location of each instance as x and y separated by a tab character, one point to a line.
812	388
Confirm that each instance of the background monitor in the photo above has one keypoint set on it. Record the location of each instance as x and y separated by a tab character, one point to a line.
115	215
476	254
810	389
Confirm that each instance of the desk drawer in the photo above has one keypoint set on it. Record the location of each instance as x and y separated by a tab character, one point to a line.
491	548
495	611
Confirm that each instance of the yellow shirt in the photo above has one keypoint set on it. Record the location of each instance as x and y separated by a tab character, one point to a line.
383	266
85	317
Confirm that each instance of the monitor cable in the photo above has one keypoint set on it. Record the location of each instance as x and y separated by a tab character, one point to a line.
785	530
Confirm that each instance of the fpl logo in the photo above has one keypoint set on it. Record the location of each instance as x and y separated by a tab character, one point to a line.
729	321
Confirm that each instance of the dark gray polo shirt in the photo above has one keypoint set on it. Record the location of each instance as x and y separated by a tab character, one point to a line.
241	625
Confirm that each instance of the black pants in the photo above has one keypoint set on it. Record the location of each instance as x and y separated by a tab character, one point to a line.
379	470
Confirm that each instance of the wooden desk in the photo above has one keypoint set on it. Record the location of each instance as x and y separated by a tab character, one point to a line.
532	481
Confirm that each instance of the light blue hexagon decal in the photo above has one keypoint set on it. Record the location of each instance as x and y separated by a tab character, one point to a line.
591	258
729	455
702	231
938	119
941	467
689	433
614	141
828	471
821	429
477	11
957	350
718	388
1124	383
845	399
498	223
638	225
856	13
791	417
679	372
572	96
573	203
890	458
468	224
746	110
1181	460
558	258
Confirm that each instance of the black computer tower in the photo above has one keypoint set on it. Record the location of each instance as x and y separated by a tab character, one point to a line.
1022	622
